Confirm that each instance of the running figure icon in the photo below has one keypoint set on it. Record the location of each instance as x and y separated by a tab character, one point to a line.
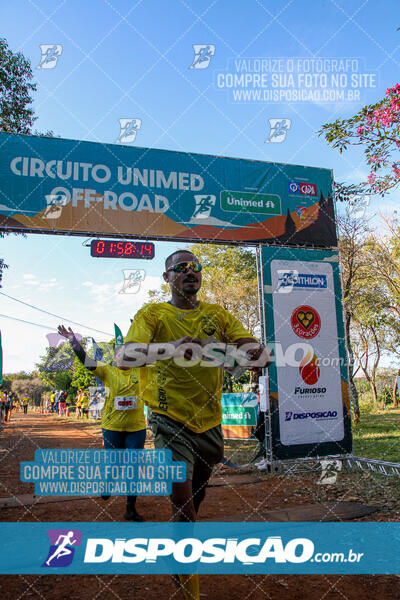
63	543
62	549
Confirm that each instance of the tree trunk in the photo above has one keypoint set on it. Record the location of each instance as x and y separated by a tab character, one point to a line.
229	382
352	388
376	362
354	400
395	392
372	386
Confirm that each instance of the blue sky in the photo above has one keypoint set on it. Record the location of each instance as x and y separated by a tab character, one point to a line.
131	60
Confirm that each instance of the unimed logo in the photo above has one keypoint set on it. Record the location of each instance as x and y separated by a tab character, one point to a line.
191	550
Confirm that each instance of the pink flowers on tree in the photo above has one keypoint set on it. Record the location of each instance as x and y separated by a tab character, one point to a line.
377	128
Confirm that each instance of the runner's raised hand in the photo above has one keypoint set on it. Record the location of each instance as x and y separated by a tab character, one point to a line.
68	333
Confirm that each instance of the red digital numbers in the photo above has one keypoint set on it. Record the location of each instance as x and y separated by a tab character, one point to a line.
122	249
100	247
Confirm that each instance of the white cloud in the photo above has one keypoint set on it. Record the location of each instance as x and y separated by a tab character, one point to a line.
28	276
107	296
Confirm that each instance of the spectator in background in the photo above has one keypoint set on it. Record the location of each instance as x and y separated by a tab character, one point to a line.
52	402
61	403
2	406
85	405
9	406
25	402
67	403
58	392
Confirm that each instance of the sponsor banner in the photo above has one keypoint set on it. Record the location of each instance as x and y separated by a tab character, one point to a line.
205	548
239	415
57	185
308	395
309	389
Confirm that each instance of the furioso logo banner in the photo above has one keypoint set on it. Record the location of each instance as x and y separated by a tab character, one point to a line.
56	185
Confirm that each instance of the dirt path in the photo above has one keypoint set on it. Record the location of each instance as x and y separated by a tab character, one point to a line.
247	502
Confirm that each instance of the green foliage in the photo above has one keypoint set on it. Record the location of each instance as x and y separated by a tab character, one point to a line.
16	114
82	377
54	367
16	87
59	368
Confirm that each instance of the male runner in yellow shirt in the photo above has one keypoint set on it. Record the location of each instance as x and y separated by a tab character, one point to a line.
85	405
25	402
186	400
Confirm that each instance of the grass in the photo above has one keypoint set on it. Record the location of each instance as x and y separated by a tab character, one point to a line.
377	435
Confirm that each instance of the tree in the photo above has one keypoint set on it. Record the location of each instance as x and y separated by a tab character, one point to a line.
376	327
59	368
16	114
32	387
377	129
82	377
16	87
55	366
351	241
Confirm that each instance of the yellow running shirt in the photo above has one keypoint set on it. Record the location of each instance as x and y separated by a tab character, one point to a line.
189	395
84	402
122	395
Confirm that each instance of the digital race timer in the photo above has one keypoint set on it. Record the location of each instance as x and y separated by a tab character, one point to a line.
112	249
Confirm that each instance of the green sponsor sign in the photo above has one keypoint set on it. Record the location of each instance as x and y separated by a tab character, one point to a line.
239	415
248	202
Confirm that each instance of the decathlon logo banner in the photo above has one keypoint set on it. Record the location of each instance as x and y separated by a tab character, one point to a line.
51	184
293	279
208	548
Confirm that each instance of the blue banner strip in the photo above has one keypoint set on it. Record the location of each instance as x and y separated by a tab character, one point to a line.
208	548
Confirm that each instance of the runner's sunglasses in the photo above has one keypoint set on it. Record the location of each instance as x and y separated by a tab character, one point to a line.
184	267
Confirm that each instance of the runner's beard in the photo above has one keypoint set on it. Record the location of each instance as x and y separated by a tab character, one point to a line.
189	291
190	288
